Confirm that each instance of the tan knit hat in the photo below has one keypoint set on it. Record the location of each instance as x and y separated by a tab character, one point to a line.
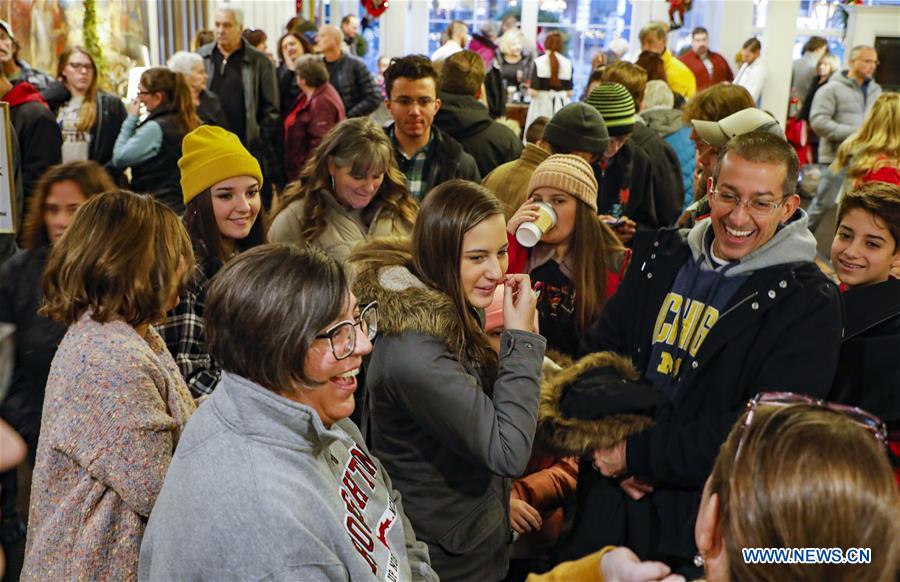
568	173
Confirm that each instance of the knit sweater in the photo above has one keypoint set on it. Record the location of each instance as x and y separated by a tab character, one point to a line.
114	409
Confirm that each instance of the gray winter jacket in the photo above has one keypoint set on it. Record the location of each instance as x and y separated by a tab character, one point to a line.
449	441
838	109
260	489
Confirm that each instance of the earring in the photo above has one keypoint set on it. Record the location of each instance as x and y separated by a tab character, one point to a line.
699	561
332	183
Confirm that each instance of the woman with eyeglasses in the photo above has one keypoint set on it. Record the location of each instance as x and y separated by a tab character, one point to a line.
283	480
318	109
451	420
349	191
795	473
220	183
90	119
152	147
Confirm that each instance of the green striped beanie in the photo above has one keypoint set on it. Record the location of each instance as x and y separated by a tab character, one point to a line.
616	105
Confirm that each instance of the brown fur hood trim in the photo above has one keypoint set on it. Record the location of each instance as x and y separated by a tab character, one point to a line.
405	303
569	436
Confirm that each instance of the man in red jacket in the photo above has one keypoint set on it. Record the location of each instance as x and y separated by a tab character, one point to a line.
709	68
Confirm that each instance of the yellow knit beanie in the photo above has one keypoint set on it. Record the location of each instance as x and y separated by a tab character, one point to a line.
210	154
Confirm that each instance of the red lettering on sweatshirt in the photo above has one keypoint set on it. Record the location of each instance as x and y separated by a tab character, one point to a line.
358	494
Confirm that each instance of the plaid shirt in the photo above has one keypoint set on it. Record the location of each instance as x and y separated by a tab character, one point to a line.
413	167
184	335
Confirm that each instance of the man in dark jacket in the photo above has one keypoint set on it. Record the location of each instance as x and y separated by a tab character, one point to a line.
467	120
244	81
710	317
40	139
425	154
348	74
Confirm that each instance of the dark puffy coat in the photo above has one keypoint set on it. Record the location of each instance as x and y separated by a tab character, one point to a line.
668	189
160	174
467	121
40	139
36	341
446	160
780	331
868	375
355	84
209	110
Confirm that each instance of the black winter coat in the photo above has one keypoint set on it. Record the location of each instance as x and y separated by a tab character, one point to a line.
627	180
780	331
467	120
36	341
446	160
40	141
868	375
668	187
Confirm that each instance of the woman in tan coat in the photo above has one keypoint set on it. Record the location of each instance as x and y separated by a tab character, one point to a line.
350	190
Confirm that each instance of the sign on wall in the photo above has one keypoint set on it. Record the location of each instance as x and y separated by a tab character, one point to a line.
7	186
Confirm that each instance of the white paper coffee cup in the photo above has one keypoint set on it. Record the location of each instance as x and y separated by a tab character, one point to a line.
529	233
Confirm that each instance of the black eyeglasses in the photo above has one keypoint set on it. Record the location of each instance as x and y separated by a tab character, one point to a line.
860	417
342	335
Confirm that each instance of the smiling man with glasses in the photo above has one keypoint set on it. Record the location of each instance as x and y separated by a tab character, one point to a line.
710	316
428	156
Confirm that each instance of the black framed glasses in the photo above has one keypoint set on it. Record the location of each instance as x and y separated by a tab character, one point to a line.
342	336
860	417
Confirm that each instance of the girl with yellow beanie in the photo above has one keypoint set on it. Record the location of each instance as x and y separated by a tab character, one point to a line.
576	265
220	183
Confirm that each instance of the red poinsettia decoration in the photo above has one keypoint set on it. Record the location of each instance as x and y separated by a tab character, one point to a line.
375	7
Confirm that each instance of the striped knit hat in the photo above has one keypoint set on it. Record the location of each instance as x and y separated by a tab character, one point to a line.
616	105
567	173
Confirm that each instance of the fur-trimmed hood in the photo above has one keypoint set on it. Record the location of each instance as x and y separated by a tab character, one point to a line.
405	303
564	435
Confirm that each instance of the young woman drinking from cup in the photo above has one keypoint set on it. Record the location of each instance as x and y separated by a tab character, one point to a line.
574	260
452	421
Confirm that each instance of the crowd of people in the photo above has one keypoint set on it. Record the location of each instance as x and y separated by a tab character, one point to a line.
260	334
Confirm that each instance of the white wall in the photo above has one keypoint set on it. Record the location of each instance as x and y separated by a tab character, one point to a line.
867	22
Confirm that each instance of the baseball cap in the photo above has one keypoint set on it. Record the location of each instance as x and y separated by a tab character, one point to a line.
717	133
8	29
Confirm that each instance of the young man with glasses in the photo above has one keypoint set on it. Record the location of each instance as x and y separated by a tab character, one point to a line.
711	317
427	155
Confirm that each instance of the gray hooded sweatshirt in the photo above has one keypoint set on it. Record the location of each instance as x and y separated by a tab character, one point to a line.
260	489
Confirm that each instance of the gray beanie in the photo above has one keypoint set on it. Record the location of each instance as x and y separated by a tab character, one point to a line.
577	127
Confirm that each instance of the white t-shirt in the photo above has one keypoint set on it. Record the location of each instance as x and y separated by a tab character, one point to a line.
76	144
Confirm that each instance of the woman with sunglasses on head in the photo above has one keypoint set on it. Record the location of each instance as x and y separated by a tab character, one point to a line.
220	182
283	478
349	191
152	147
794	473
452	421
90	119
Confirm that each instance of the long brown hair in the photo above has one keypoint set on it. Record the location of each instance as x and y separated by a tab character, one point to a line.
200	222
87	113
91	179
177	92
448	213
553	44
362	144
120	258
806	477
593	247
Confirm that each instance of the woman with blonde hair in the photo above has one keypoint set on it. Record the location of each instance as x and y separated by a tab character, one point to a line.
152	147
89	118
349	191
115	403
872	153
